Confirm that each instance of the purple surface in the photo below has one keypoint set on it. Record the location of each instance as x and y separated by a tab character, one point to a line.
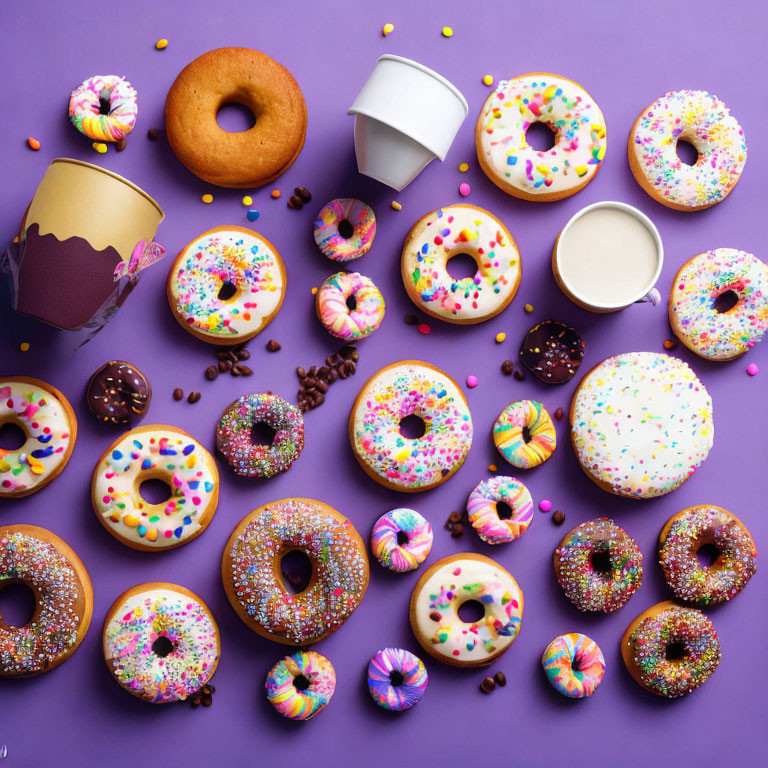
625	58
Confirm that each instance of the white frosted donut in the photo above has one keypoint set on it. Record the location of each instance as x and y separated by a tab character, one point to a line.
701	283
641	424
460	229
566	108
701	119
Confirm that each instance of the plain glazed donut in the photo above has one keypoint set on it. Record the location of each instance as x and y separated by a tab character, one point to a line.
104	108
243	76
701	283
401	540
360	225
484	511
313	673
574	665
350	324
397	679
524	434
250	570
63	600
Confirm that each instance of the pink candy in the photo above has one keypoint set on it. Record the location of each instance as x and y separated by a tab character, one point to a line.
464	189
545	505
752	369
472	381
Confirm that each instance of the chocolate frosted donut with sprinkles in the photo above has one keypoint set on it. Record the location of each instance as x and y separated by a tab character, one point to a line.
552	351
118	393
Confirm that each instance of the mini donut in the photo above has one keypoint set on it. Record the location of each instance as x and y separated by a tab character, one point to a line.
227	285
671	650
248	459
724	274
524	434
104	108
155	452
700	119
397	679
344	229
250	570
50	430
574	665
118	393
246	158
401	540
63	597
500	509
443	588
301	685
552	351
688	531
447	232
641	424
410	388
598	565
161	642
564	107
349	306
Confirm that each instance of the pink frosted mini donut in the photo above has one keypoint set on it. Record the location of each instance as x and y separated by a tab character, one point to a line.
350	306
574	665
401	540
344	229
500	509
301	685
104	108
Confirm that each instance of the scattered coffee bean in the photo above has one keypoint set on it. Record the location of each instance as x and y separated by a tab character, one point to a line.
487	685
193	397
211	372
300	372
303	193
559	413
518	374
272	346
238	369
224	365
350	353
294	202
153	134
121	144
500	678
223	354
457	531
242	354
558	518
507	367
454	517
333	360
411	319
178	393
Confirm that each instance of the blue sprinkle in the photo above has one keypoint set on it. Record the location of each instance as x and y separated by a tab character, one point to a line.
146	464
141	530
177	533
187	520
44	438
193	484
188	449
137	444
116	455
208	486
41	454
252	214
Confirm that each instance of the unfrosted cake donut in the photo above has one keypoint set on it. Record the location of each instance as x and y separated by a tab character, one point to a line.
574	665
641	424
447	232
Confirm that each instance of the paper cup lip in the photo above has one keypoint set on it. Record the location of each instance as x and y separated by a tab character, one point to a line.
114	175
650	226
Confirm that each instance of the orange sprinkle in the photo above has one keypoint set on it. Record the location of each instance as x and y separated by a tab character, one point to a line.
33	143
275	194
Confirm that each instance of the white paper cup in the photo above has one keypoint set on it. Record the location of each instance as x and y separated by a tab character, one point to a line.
405	116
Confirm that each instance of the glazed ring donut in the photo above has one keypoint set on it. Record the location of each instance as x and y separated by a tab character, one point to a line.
243	76
63	596
104	108
598	565
410	388
250	570
448	584
688	531
227	285
397	679
619	447
707	327
500	509
671	650
701	119
562	105
345	322
314	675
574	665
248	459
524	434
447	232
344	229
401	540
161	642
50	430
155	452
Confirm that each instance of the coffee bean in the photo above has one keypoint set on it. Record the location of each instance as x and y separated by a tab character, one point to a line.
347	369
178	393
206	701
519	375
193	397
238	369
224	365
487	685
558	518
211	372
500	678
222	354
295	203
300	372
309	383
507	367
272	346
411	319
242	354
559	413
303	193
349	353
455	517
322	386
333	360
153	134
435	616
458	531
121	144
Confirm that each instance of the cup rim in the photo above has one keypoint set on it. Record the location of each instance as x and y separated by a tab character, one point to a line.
649	225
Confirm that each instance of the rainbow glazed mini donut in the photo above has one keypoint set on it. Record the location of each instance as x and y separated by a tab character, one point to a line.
50	429
397	679
524	434
450	583
460	230
698	118
344	229
301	685
500	509
400	390
227	285
574	665
598	565
683	536
671	650
718	306
155	452
161	642
564	107
401	540
104	108
349	306
63	600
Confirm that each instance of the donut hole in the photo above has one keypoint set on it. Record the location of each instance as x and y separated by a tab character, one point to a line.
17	605
105	101
412	427
346	230
12	436
234	117
600	562
461	266
301	683
707	555
262	434
227	291
471	611
675	651
155	491
540	137
162	646
296	570
527	437
396	677
686	152
726	301
503	510
351	302
576	664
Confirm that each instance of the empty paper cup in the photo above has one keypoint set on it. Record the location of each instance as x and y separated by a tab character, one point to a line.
607	257
405	116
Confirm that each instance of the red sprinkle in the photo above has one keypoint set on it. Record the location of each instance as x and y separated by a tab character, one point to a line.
424	328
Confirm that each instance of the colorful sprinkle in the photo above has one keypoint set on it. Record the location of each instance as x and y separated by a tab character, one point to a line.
464	189
463	167
100	147
387	29
500	337
207	198
161	44
528	308
395	206
24	346
252	214
488	80
446	32
545	505
424	328
752	369
275	194
33	143
472	381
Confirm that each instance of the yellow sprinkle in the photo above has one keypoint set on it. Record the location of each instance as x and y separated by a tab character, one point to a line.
447	32
16	239
463	167
131	521
493	468
500	337
191	461
100	147
151	534
247	200
274	194
387	28
160	44
207	198
488	80
24	346
314	291
395	206
528	307
4	466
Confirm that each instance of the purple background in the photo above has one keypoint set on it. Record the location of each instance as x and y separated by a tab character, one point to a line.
626	56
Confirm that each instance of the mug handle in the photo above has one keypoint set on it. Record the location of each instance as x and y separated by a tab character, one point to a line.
653	297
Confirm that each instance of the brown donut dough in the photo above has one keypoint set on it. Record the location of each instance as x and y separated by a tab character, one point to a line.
236	76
